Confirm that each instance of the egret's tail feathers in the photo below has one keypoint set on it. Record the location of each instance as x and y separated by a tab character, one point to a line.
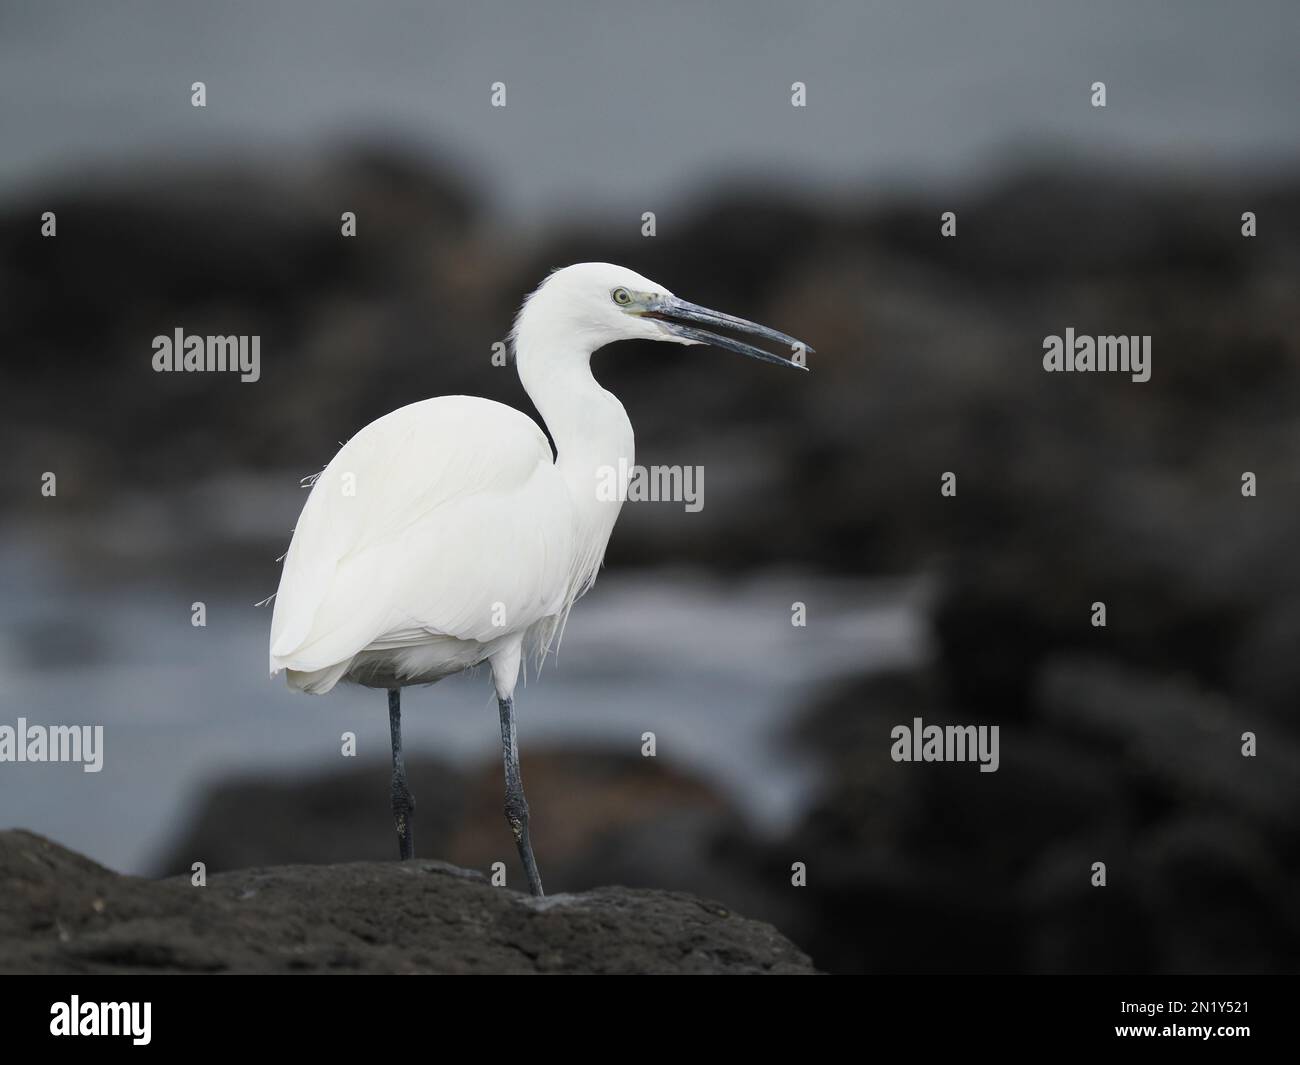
317	681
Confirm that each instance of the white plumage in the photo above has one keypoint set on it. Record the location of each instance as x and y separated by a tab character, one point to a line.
446	534
439	534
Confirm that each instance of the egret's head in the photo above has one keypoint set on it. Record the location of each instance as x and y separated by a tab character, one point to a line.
589	305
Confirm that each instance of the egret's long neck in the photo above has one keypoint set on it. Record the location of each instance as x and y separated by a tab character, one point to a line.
591	430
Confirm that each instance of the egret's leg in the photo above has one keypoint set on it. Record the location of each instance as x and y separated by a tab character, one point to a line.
403	800
516	804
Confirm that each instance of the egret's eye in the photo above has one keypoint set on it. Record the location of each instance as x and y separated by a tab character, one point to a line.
621	296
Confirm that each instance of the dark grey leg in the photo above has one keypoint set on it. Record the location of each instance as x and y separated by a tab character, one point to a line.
516	804
403	800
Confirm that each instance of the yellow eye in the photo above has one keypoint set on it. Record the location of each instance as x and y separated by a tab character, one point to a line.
621	296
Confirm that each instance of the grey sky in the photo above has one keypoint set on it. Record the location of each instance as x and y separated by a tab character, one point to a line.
616	104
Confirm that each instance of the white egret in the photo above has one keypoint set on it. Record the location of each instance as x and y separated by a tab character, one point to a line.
446	534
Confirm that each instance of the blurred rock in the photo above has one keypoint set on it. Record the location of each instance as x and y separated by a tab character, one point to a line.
324	819
1265	667
939	868
1217	898
1178	740
584	803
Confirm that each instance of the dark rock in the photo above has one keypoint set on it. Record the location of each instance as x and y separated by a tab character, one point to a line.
938	868
1216	895
1266	669
317	819
63	913
1177	738
1070	926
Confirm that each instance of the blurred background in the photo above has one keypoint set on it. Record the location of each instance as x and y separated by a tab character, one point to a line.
1120	744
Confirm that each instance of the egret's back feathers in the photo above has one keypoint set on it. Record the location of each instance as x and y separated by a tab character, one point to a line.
445	518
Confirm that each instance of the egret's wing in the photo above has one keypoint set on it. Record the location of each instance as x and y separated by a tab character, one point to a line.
442	518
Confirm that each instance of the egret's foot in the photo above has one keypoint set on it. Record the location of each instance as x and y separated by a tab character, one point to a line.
404	817
517	819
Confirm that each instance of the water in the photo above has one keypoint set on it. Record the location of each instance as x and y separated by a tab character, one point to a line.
715	670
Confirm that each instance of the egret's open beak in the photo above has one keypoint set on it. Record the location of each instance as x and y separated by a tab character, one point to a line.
674	313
